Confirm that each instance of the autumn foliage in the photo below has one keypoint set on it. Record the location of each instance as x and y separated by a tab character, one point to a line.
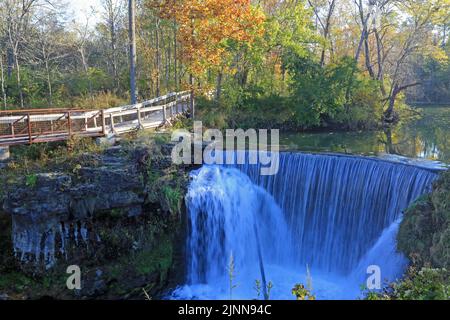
206	27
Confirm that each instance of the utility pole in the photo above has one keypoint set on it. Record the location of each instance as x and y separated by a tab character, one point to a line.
133	59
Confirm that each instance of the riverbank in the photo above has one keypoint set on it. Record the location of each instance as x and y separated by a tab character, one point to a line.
426	137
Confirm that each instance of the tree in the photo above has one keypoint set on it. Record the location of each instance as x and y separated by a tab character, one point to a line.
49	46
81	40
133	57
206	28
415	39
112	16
2	79
17	17
324	21
2	55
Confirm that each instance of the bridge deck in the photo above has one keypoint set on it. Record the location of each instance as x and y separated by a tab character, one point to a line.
38	125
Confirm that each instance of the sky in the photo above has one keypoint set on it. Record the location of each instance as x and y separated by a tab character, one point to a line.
82	9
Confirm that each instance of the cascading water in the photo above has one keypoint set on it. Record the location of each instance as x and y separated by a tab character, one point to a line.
382	254
336	214
340	205
224	209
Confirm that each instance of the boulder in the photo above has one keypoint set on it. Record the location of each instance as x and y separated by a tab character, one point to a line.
4	153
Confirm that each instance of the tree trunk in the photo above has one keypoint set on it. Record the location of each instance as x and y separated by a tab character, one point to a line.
86	69
327	30
49	84
19	80
114	51
191	101
3	83
367	57
358	50
133	60
364	22
389	115
390	110
158	60
168	57
219	85
10	62
175	53
389	145
380	75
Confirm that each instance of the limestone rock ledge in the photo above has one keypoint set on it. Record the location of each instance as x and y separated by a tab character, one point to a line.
120	220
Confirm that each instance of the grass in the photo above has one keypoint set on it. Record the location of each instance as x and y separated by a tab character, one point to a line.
28	160
102	100
173	198
157	259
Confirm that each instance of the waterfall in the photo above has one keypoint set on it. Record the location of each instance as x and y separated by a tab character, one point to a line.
383	254
339	205
224	207
334	213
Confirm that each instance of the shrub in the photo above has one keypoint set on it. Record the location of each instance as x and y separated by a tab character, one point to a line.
426	284
424	234
302	293
337	95
423	284
102	100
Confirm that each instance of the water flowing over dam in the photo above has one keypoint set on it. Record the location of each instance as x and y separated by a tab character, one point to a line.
335	214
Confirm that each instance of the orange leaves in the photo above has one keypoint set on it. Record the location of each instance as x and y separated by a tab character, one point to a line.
205	27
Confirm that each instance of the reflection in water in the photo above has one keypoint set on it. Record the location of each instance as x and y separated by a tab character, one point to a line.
427	137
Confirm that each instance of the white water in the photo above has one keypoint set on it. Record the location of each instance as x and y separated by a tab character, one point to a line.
337	214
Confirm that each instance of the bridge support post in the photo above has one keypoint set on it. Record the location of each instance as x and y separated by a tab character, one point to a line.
85	123
30	137
4	153
178	106
111	119
103	123
69	125
164	114
139	118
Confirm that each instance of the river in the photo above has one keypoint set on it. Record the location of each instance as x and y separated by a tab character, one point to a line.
323	218
427	137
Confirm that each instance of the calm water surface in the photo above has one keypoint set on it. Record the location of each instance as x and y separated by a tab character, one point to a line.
425	138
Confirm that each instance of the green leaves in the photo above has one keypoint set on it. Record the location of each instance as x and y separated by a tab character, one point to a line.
301	293
31	180
331	94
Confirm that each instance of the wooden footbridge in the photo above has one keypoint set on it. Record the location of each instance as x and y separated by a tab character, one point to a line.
45	125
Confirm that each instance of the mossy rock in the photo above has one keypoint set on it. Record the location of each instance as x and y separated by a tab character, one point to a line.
424	234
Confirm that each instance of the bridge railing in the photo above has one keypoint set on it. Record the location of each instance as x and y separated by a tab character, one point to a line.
45	125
